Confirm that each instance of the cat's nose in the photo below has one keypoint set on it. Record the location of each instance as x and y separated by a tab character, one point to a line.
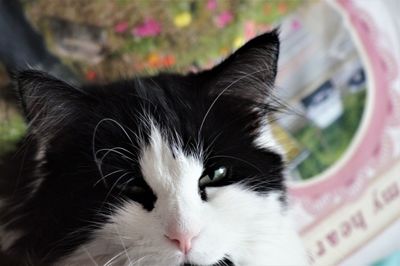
182	240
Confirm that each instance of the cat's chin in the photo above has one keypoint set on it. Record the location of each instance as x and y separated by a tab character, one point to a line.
102	260
84	257
223	261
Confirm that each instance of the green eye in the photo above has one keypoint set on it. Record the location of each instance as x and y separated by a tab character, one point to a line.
213	176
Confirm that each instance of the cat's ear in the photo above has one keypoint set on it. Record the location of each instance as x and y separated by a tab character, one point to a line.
250	71
45	100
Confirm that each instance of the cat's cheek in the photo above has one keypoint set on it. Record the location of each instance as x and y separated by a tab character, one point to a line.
211	246
254	225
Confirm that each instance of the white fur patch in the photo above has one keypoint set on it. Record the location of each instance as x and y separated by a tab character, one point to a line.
266	140
251	229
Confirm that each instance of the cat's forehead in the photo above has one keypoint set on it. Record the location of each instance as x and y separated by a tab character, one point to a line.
166	166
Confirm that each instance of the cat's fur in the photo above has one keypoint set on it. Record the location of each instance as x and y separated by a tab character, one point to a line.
110	174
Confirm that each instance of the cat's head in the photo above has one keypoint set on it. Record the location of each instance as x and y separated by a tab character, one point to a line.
163	170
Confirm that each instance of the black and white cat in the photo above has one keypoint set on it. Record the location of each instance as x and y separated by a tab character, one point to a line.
162	170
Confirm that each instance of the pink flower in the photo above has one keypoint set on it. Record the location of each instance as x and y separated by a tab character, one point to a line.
148	28
212	4
296	24
224	19
121	27
249	30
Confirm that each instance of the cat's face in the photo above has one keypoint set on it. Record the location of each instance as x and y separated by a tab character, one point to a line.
164	170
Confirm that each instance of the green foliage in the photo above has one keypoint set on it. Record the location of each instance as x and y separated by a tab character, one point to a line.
12	130
327	145
197	42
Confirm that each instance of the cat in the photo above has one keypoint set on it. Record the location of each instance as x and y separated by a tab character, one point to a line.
158	170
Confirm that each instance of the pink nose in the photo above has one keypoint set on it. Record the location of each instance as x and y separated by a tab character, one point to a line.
182	240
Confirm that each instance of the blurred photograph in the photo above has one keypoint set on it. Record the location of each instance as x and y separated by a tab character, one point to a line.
199	132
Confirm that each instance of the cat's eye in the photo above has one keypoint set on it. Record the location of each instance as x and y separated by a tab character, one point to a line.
212	176
132	187
135	189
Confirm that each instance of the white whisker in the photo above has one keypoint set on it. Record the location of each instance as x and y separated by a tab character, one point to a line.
116	183
110	261
90	256
104	177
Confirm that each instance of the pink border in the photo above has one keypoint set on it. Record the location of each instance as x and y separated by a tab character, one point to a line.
372	135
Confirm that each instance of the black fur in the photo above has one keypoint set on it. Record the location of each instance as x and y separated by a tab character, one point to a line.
222	108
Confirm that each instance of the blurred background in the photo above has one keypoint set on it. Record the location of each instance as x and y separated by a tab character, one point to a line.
337	75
